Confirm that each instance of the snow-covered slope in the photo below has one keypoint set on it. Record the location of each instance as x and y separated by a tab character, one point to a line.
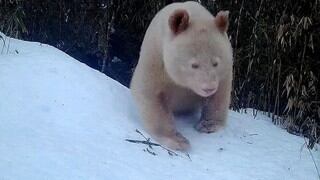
59	119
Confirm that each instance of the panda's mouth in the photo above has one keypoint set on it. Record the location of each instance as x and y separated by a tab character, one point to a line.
208	92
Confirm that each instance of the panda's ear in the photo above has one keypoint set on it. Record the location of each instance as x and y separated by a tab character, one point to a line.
222	21
178	21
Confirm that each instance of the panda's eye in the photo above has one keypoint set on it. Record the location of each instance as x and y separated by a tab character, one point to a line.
195	65
215	64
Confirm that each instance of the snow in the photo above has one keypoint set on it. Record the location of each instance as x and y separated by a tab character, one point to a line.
60	119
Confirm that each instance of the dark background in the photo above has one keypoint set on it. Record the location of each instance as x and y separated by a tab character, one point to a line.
276	46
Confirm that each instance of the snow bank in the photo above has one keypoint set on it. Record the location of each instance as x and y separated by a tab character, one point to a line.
60	119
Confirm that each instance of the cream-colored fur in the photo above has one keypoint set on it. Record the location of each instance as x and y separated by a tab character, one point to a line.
185	63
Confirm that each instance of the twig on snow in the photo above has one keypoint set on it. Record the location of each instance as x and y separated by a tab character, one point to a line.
314	162
148	142
143	142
